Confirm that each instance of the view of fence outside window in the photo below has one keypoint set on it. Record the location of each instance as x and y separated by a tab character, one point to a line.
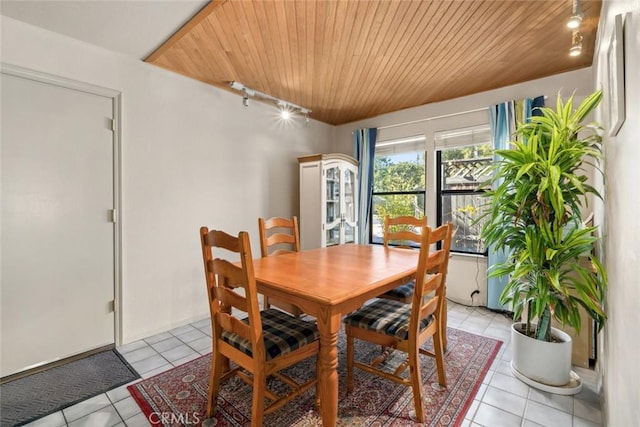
461	178
462	161
398	183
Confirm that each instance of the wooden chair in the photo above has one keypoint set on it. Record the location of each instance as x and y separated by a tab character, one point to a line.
402	231
263	342
279	236
406	327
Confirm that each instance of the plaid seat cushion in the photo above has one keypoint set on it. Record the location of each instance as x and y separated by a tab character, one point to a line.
404	291
386	317
282	334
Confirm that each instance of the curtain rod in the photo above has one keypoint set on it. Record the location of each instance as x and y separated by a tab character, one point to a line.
434	118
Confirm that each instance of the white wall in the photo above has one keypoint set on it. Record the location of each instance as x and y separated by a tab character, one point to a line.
192	155
466	273
619	365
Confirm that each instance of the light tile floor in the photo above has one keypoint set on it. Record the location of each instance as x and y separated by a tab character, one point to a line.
501	401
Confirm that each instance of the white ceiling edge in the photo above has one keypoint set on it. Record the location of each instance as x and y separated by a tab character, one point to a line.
132	27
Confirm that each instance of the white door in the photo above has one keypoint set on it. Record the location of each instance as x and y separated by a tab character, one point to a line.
57	240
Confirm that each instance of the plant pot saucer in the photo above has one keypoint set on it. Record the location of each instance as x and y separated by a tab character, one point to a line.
574	386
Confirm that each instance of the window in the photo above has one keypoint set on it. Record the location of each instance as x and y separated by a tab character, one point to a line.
463	158
398	182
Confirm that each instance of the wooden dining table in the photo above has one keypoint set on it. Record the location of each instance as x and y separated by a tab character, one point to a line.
328	283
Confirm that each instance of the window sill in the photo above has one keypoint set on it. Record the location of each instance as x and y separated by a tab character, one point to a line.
467	255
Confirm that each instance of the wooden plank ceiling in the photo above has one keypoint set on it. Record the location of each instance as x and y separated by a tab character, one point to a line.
350	60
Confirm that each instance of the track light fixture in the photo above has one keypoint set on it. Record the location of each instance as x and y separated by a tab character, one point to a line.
576	17
286	108
574	21
576	44
285	113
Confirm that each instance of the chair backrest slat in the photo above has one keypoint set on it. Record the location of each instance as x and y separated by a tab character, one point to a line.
278	235
439	233
232	274
436	260
431	283
429	307
232	299
276	238
231	324
403	230
223	240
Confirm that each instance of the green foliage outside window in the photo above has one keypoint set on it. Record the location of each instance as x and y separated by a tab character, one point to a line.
468	152
399	173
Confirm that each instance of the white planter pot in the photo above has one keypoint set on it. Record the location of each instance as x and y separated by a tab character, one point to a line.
543	362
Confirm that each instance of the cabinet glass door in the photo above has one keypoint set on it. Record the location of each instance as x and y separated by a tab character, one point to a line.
349	217
333	208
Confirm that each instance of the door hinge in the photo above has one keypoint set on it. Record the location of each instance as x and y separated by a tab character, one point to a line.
113	125
113	217
112	306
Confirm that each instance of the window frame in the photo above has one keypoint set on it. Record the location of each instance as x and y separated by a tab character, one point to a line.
422	192
440	193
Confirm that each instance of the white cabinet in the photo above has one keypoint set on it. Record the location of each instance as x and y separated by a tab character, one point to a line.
328	200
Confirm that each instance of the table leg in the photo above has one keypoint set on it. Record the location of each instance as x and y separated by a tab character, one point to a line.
328	326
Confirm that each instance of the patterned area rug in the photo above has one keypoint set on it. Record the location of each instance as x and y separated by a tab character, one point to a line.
178	397
26	399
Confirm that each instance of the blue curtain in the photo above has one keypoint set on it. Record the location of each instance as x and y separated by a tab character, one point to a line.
503	121
364	144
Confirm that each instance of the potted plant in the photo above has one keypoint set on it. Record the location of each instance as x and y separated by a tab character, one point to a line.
539	188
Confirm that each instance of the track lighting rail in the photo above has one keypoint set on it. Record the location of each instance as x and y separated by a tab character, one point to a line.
286	107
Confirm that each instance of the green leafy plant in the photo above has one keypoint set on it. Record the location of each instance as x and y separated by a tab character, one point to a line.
534	215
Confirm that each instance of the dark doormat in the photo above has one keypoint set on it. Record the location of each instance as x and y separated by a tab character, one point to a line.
34	396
